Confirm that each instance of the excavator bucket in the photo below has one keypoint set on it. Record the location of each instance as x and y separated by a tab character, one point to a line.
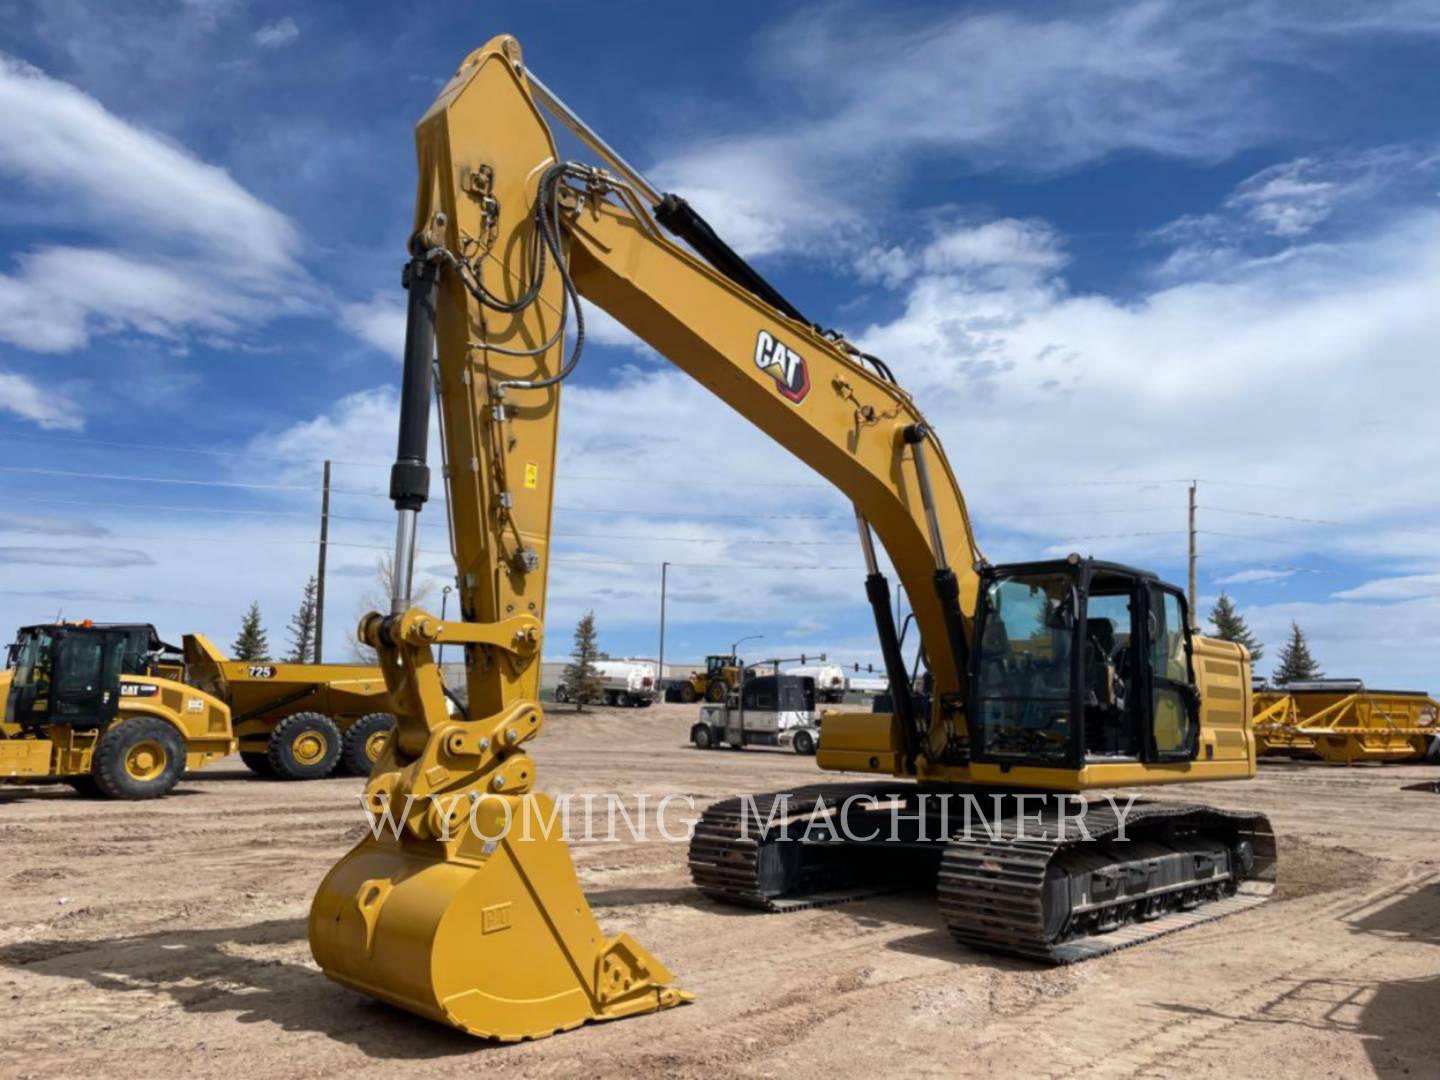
499	943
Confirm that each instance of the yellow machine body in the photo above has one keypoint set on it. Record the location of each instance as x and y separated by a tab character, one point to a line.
63	752
1345	725
493	935
262	693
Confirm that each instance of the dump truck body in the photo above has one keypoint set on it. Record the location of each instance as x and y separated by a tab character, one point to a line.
296	721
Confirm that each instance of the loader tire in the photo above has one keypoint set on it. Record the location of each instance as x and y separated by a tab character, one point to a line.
716	691
139	758
687	693
258	762
363	743
305	746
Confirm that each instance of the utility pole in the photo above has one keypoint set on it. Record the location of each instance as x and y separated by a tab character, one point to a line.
1194	619
320	573
660	666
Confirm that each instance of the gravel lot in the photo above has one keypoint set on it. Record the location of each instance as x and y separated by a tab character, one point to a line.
169	938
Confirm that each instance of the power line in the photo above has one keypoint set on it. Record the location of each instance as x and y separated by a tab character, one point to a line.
251	455
1322	521
177	480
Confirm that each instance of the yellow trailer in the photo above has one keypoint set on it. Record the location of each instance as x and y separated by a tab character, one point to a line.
297	721
1342	722
101	708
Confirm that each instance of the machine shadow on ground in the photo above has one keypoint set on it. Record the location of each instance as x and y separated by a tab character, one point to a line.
217	972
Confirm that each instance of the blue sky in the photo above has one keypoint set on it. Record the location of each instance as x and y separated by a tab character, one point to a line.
1110	247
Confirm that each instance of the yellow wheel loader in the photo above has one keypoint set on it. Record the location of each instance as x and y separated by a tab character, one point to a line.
721	675
103	708
297	721
1060	677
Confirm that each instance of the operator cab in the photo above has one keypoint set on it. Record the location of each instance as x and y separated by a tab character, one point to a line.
715	665
66	674
1081	662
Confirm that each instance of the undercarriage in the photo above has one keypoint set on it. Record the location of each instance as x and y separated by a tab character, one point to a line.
1052	878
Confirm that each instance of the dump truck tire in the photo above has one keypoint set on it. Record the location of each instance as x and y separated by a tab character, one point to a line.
804	743
140	758
363	743
258	762
305	746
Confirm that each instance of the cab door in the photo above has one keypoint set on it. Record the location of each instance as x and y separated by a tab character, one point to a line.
1173	733
85	676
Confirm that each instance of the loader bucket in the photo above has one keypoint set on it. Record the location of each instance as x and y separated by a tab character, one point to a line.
496	940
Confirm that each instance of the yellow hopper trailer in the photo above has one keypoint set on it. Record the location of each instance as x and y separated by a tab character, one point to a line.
1342	722
297	721
104	709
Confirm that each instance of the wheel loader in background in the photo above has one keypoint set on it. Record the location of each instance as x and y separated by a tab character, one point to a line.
1065	676
105	709
721	675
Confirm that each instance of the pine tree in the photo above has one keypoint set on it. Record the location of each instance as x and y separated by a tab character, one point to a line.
582	680
252	643
1296	664
1229	626
302	627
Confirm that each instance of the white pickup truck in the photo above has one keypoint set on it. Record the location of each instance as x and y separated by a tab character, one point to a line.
624	682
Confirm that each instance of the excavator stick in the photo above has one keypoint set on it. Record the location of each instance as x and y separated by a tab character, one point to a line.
463	905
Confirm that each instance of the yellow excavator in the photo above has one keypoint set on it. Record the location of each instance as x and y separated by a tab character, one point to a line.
1044	678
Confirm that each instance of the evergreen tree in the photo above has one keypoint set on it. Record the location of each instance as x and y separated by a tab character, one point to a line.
252	643
302	627
1229	626
582	680
1296	664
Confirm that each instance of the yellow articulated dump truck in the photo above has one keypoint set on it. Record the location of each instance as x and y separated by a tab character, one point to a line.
297	721
105	709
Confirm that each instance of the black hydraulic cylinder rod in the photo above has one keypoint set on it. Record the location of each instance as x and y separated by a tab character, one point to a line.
877	589
410	475
680	218
947	590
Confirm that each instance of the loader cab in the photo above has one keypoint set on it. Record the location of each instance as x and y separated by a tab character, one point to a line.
65	674
715	666
1082	662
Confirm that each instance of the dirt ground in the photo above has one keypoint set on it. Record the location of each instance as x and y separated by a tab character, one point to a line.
169	938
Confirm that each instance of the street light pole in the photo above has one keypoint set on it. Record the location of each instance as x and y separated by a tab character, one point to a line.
660	666
440	652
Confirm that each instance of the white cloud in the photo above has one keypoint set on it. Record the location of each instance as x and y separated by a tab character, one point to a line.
868	97
98	557
1408	587
1256	576
278	33
379	322
49	408
1269	212
185	246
